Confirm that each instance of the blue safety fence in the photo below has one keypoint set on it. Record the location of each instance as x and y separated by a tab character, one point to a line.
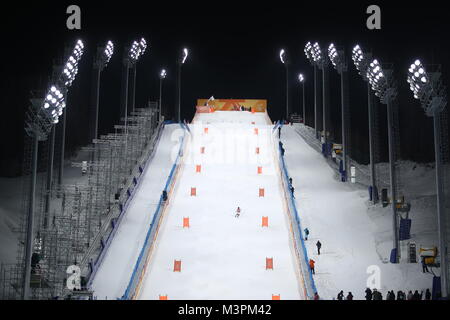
115	223
297	229
139	269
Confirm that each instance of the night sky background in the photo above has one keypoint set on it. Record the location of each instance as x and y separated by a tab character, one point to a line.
234	53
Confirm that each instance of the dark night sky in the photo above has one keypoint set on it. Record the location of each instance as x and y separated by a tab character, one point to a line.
234	54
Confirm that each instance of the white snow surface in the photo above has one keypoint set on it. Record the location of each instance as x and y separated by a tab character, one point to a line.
114	273
356	238
224	257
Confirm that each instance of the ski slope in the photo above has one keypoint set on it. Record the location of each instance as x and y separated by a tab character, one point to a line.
224	257
114	273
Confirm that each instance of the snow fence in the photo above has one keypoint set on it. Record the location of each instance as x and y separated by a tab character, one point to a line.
299	242
134	286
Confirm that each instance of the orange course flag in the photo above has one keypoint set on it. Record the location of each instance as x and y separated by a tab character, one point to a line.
276	297
163	297
177	266
186	223
265	222
193	192
198	169
261	193
269	263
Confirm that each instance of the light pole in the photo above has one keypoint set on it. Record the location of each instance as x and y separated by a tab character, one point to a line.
339	61
285	61
143	48
308	53
362	61
101	61
322	63
162	76
301	79
131	57
428	89
180	63
40	119
70	72
383	84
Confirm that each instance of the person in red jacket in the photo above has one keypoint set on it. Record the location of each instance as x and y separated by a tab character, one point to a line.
312	265
316	296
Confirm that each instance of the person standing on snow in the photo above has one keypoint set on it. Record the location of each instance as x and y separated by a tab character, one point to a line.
368	294
238	212
428	295
340	295
279	132
312	265
410	295
316	296
306	233
319	246
424	265
349	296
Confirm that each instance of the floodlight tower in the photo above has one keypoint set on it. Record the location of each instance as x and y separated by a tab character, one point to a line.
143	48
428	89
301	79
339	62
162	76
285	61
131	57
362	60
322	62
383	84
101	61
68	76
40	119
308	53
180	63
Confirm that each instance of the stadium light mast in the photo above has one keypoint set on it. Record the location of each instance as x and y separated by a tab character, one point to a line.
428	89
131	57
322	63
383	84
143	48
308	53
101	61
68	76
180	63
301	79
162	76
361	61
339	62
41	117
285	61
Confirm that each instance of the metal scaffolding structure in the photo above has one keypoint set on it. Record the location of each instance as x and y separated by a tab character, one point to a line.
84	216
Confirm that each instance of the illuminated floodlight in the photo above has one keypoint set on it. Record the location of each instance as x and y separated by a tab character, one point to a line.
108	52
163	74
381	81
301	78
427	87
185	55
70	69
282	55
308	52
337	58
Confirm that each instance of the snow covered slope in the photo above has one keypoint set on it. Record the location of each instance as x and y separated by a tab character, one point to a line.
356	238
224	257
114	274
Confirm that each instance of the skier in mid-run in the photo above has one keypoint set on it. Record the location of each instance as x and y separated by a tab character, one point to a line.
238	212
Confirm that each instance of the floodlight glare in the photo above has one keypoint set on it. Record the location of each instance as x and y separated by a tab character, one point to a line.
282	53
185	56
163	74
301	78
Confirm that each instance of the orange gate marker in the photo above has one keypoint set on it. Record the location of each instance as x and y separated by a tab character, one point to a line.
265	222
206	130
259	170
198	169
163	297
257	150
269	263
202	150
177	266
261	192
193	192
256	131
186	223
276	297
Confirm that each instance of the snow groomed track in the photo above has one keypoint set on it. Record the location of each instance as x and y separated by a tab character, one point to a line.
202	251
